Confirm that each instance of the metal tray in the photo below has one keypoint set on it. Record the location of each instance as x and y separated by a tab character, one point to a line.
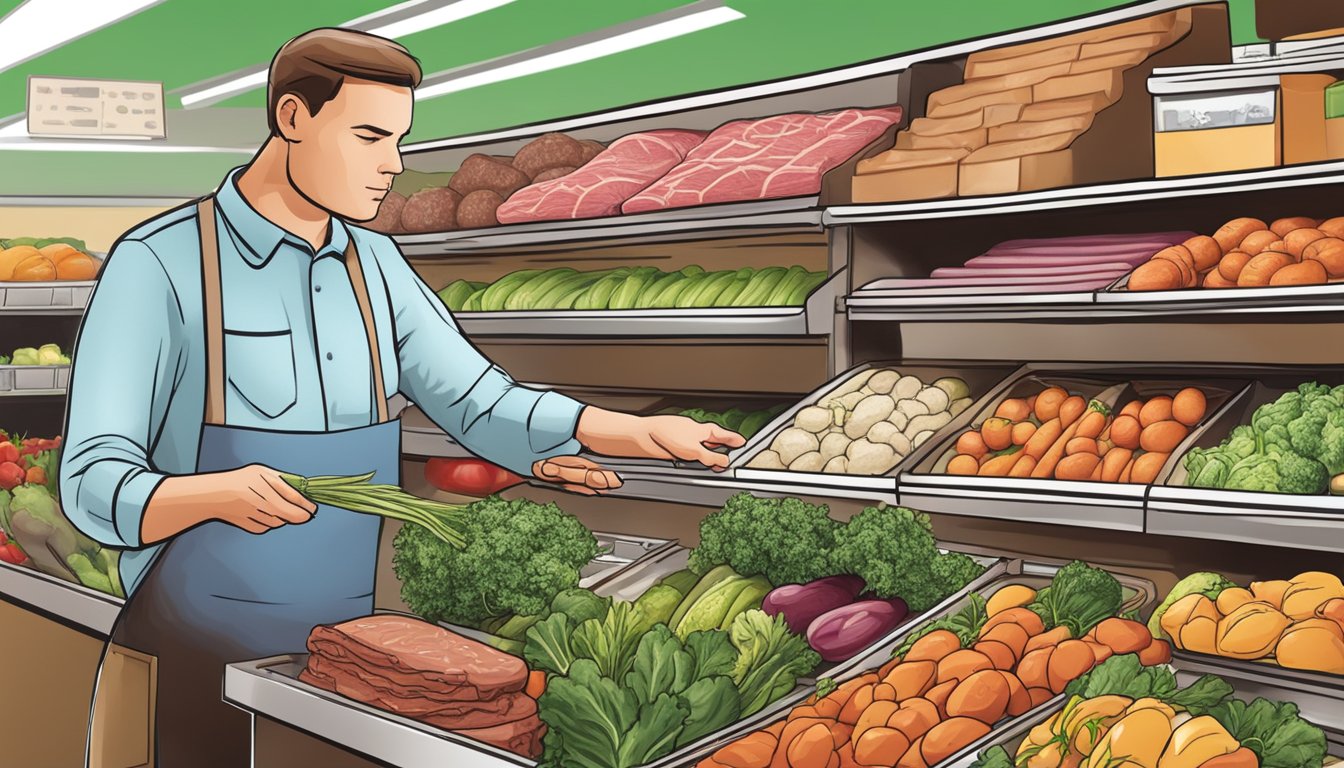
1306	522
23	378
1010	736
1139	595
980	378
1320	696
56	294
1115	506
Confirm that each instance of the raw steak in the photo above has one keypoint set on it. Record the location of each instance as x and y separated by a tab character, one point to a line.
598	188
522	737
472	714
406	648
780	156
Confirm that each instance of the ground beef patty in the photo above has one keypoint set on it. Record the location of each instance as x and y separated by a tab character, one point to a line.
552	150
484	172
388	219
431	210
477	209
554	173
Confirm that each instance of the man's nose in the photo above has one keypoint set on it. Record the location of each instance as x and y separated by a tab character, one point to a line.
393	164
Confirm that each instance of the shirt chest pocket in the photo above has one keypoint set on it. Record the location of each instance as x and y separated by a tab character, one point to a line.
260	368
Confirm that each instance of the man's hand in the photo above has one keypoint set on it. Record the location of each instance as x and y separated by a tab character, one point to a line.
254	498
655	437
576	475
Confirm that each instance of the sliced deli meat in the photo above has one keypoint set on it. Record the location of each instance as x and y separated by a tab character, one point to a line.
781	156
458	714
423	651
600	187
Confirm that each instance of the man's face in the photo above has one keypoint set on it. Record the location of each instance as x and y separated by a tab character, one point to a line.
345	157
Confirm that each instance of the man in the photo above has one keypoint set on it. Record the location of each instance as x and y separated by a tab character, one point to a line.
256	332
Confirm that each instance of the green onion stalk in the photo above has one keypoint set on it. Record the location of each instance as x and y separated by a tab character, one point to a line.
357	494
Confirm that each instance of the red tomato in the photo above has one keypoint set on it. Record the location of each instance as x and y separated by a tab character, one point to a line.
8	452
469	477
10	553
11	475
36	476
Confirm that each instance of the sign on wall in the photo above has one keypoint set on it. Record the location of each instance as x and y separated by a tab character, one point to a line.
92	108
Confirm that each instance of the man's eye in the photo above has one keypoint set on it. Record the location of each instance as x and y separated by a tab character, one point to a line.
369	139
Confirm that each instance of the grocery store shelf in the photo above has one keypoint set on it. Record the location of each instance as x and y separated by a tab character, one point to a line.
270	688
1119	508
791	215
1102	305
1312	174
45	298
815	318
1272	519
88	609
32	393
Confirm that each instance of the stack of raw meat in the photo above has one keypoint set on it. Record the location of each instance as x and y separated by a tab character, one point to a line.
424	672
1051	265
1011	125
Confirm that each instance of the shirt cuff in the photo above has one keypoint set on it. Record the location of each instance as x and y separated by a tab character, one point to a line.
132	497
552	424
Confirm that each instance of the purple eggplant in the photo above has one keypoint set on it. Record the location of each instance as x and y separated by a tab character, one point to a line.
803	603
840	634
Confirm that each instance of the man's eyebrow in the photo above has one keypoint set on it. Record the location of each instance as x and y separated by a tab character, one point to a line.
373	128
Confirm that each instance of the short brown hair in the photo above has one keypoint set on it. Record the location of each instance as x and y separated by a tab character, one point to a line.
314	65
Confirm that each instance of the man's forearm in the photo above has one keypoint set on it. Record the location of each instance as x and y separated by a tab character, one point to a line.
178	503
611	433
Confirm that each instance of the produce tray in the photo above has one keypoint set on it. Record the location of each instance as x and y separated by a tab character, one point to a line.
811	319
1010	736
270	688
1115	506
1320	696
53	295
1205	299
1139	595
980	378
93	611
1307	522
34	378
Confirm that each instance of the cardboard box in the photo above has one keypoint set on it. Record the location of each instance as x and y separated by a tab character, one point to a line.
925	183
977	66
1217	150
1303	98
899	159
1334	138
977	104
1017	174
972	139
1037	129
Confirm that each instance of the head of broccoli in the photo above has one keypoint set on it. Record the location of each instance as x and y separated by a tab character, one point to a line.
1079	597
1278	471
1319	432
519	555
787	541
893	550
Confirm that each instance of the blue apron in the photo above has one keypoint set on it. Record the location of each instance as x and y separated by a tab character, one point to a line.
217	594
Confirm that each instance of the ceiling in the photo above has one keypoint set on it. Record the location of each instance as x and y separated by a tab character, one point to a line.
186	42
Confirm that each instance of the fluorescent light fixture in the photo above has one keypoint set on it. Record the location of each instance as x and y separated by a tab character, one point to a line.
39	26
644	32
397	21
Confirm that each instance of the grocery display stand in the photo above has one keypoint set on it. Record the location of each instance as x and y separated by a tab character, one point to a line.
620	358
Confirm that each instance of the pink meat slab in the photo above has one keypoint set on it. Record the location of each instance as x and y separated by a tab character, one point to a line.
781	156
1165	238
597	189
1051	270
1028	259
1053	283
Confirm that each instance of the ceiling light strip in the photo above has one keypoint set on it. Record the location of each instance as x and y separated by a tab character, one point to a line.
41	26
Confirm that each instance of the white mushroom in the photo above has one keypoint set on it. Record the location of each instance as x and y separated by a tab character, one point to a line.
852	400
882	432
854	384
866	391
808	462
958	406
935	398
867	458
922	436
837	466
899	420
912	408
813	419
766	460
906	386
794	442
955	388
834	444
839	415
883	381
871	410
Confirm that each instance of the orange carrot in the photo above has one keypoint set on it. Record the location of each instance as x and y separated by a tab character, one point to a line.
1045	468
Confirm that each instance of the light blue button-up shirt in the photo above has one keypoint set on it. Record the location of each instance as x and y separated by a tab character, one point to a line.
296	360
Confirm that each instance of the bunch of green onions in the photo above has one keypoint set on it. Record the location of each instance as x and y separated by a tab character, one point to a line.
357	494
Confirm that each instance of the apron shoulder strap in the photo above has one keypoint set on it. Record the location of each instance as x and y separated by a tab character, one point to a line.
361	290
213	313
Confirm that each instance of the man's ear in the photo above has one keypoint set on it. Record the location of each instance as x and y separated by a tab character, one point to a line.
288	111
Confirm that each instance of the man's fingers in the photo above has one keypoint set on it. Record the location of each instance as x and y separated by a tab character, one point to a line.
720	436
712	459
290	493
274	505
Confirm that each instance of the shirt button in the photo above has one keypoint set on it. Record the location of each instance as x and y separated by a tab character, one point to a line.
318	288
328	355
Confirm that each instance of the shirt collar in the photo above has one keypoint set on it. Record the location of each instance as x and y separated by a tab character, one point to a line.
258	238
